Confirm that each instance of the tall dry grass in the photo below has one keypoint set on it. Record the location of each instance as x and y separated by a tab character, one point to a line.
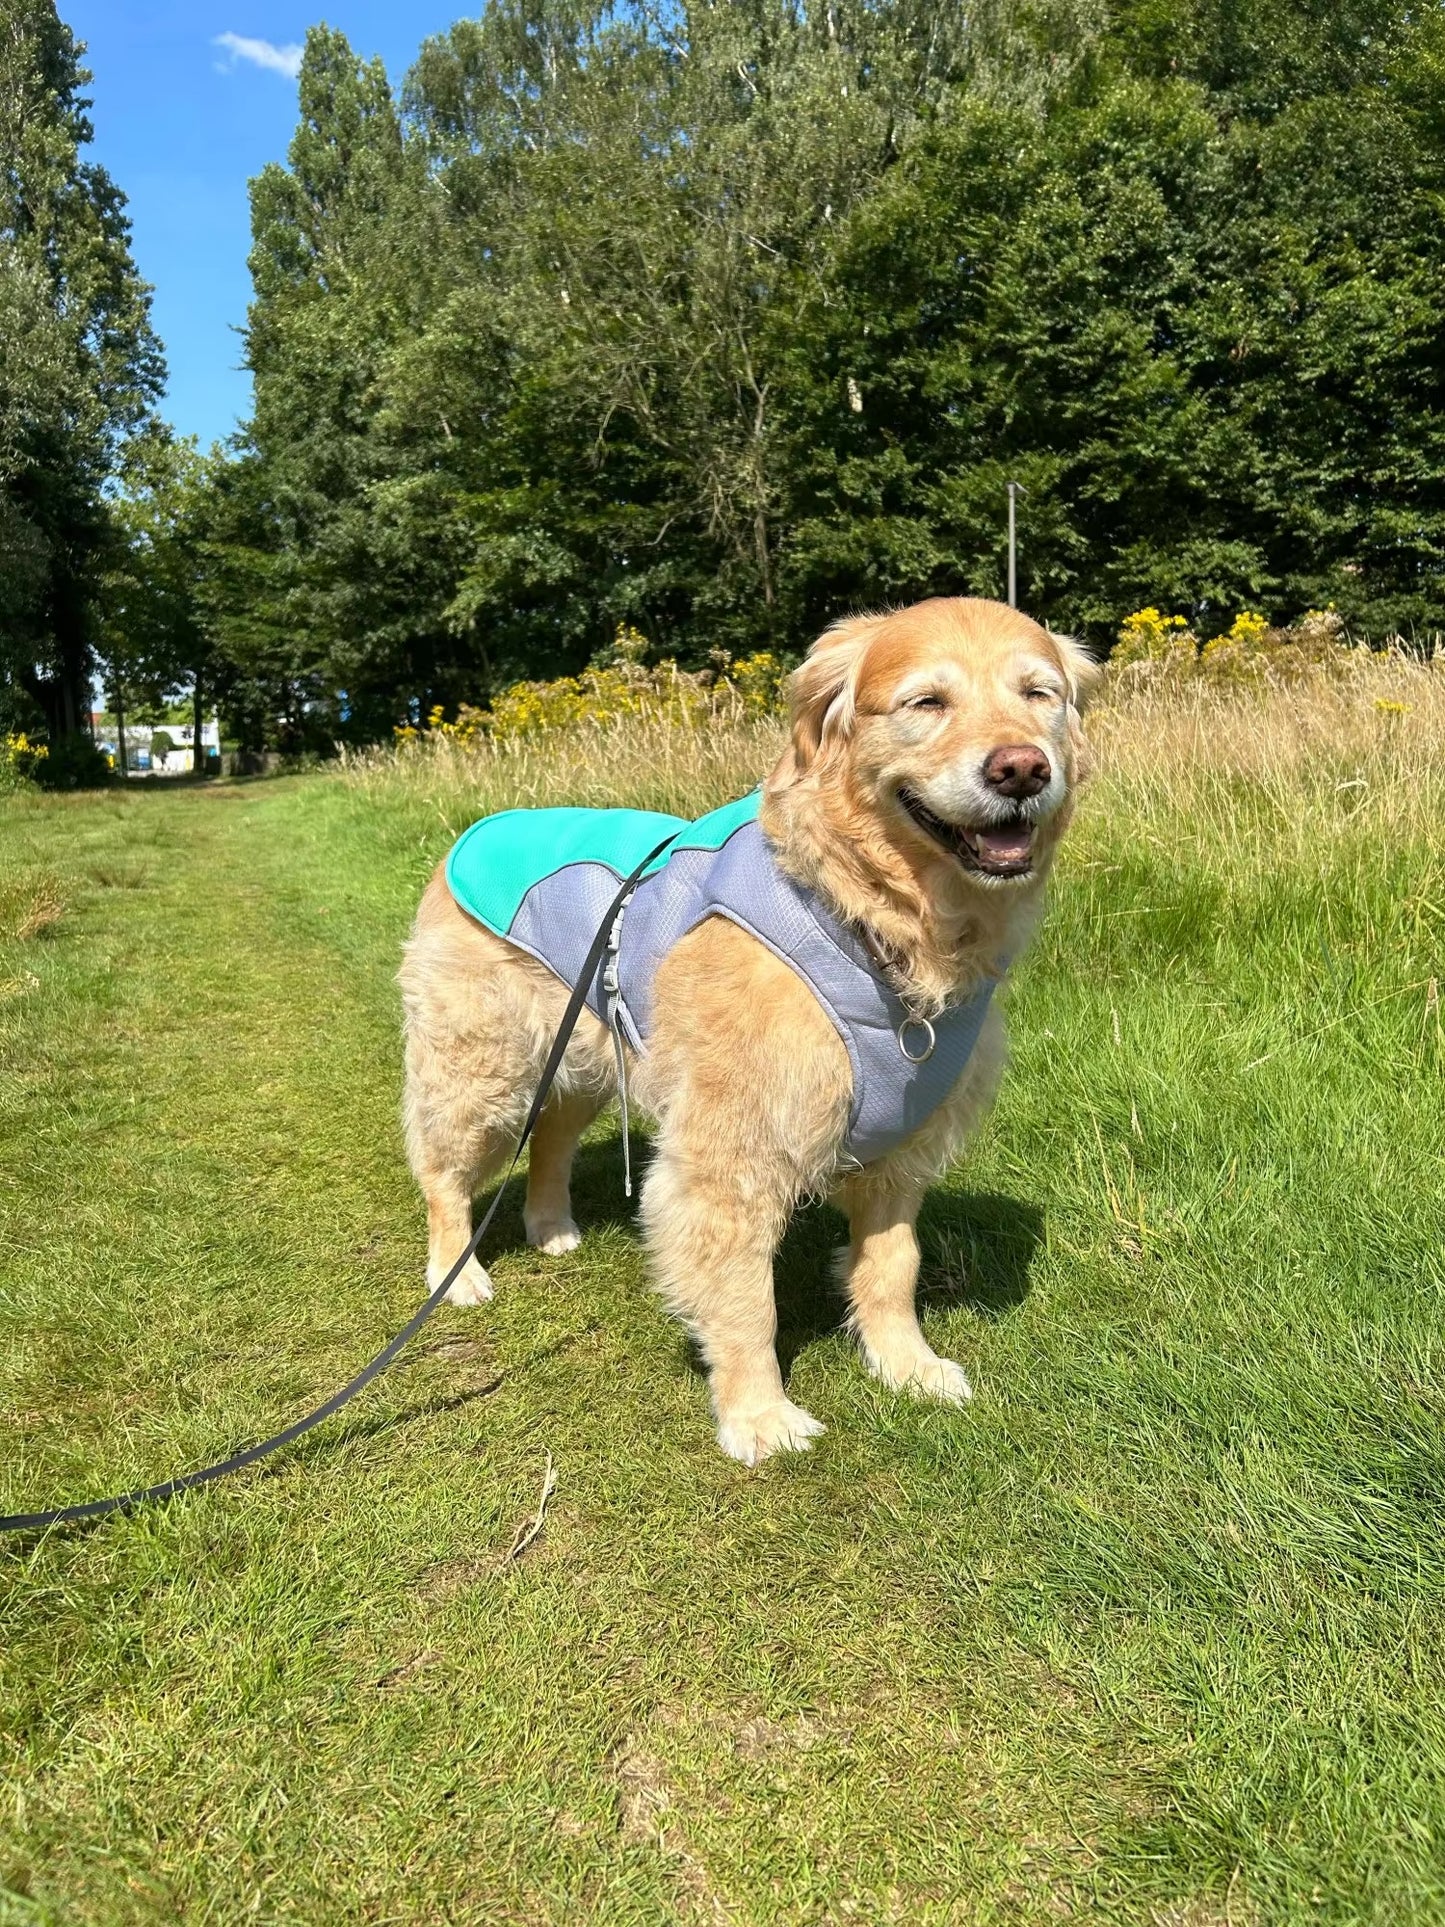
1267	773
649	762
1343	760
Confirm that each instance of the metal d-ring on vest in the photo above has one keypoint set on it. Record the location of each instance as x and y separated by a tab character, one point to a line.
917	1023
878	951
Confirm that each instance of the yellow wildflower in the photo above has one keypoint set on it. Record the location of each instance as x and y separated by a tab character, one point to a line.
1248	629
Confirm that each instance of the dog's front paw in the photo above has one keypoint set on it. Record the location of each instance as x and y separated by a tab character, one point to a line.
554	1236
755	1436
471	1286
940	1378
922	1373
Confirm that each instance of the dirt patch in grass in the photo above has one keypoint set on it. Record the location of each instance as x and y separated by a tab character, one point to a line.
647	1815
454	1349
1235	1909
762	1739
449	1577
644	1792
408	1669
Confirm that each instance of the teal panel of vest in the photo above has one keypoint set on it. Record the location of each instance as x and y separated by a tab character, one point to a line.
494	864
544	880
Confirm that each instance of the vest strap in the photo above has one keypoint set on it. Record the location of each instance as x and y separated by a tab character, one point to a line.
611	1011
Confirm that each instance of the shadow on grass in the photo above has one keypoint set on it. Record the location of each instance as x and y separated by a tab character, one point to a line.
328	1440
325	1441
978	1250
323	1444
597	1194
977	1253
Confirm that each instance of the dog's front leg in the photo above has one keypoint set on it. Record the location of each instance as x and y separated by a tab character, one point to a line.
881	1277
750	1085
711	1240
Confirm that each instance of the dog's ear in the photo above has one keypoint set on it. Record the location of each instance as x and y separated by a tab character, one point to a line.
1083	674
821	693
1080	668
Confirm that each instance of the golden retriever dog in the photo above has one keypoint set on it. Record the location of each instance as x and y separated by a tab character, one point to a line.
932	769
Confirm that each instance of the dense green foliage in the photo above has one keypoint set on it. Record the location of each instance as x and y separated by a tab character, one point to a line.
80	370
720	320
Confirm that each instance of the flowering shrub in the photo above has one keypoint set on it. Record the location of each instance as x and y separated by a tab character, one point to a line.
618	685
1147	636
1248	629
758	681
1250	651
465	729
596	696
20	760
1317	626
1242	654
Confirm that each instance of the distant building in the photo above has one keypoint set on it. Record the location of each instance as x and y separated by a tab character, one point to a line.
179	760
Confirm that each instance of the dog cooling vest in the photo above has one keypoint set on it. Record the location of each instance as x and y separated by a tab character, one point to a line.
544	880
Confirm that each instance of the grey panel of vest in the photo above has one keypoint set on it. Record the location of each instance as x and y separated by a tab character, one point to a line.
741	881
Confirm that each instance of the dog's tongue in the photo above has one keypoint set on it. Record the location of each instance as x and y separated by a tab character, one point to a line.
1005	849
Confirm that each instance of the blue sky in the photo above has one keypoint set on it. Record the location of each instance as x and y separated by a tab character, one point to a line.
193	97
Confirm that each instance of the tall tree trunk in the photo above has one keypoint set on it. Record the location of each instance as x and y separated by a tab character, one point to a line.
64	699
120	728
198	754
67	703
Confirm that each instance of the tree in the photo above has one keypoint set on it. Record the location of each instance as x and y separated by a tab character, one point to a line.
80	368
339	263
1199	314
719	319
515	349
156	636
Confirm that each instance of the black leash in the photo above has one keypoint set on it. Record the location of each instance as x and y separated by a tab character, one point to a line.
153	1494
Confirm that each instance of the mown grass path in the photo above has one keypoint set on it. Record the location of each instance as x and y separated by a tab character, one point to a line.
1153	1632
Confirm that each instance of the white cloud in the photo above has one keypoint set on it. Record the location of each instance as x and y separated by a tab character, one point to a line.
261	53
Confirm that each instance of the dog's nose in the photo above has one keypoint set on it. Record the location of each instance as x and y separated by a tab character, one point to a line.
1017	770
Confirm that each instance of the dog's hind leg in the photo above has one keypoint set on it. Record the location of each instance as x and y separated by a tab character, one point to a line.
548	1210
480	1016
448	1186
458	1133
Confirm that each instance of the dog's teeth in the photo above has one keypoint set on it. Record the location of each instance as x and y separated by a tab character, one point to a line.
1007	846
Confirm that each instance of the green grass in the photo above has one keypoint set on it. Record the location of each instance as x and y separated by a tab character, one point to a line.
1153	1632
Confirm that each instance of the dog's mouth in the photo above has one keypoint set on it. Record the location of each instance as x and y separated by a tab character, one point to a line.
997	850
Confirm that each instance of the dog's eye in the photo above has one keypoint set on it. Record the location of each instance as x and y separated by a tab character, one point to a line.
1038	694
926	702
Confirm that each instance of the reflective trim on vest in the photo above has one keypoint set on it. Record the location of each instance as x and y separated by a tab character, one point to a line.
543	880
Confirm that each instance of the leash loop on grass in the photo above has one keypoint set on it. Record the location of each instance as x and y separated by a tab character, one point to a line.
249	1455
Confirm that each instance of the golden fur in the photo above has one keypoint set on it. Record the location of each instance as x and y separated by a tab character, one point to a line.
746	1077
